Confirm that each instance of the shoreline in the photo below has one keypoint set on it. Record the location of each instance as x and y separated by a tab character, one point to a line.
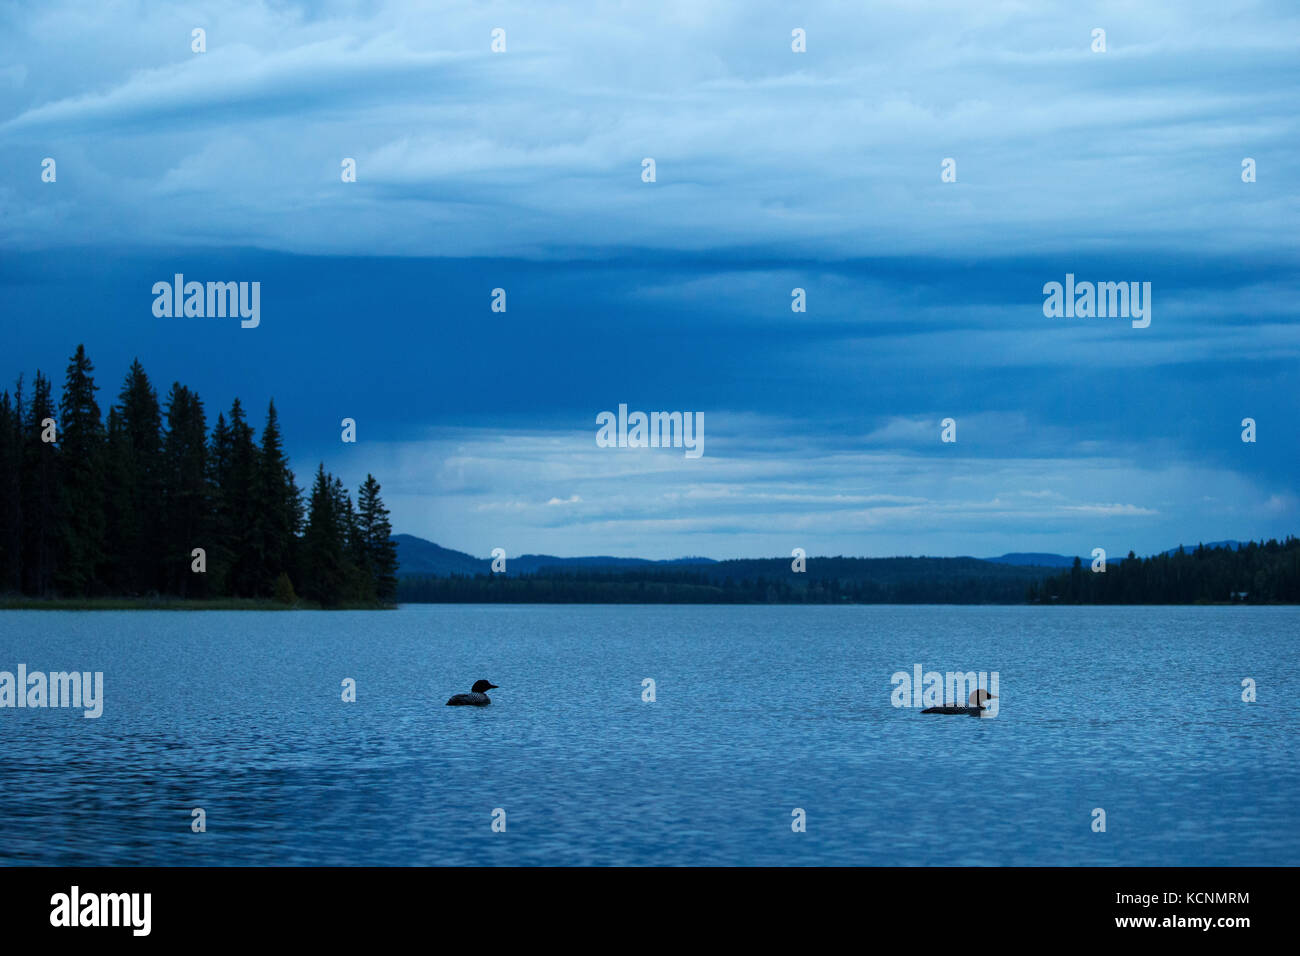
18	603
269	604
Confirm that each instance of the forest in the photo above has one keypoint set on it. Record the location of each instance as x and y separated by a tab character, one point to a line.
836	580
147	501
1254	573
1267	572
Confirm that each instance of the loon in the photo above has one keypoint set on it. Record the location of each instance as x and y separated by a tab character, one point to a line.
476	696
976	708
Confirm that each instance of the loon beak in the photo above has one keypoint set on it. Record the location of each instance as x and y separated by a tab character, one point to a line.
492	686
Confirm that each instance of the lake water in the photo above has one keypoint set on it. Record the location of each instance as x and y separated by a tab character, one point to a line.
759	710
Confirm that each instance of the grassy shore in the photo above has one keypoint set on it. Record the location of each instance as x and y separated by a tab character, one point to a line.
157	603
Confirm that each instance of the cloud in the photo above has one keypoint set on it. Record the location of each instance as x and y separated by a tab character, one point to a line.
238	80
537	151
648	503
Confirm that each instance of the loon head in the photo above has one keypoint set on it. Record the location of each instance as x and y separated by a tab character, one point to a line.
978	697
482	686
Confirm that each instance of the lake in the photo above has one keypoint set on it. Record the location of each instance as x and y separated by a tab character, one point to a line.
759	710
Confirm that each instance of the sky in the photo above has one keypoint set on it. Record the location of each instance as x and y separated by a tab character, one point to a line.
820	170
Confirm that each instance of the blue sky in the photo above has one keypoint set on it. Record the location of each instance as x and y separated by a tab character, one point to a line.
775	170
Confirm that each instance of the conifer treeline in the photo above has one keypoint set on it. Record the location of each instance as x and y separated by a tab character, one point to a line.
832	580
97	507
1267	572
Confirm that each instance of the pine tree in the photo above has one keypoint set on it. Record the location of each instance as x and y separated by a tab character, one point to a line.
40	492
221	530
323	544
377	539
11	514
357	583
186	501
121	522
239	493
82	448
279	505
140	458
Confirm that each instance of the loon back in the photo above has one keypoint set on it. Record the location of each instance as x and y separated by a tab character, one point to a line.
976	708
472	699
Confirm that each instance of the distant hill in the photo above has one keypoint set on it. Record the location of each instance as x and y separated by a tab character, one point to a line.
1037	559
417	557
1033	559
532	563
